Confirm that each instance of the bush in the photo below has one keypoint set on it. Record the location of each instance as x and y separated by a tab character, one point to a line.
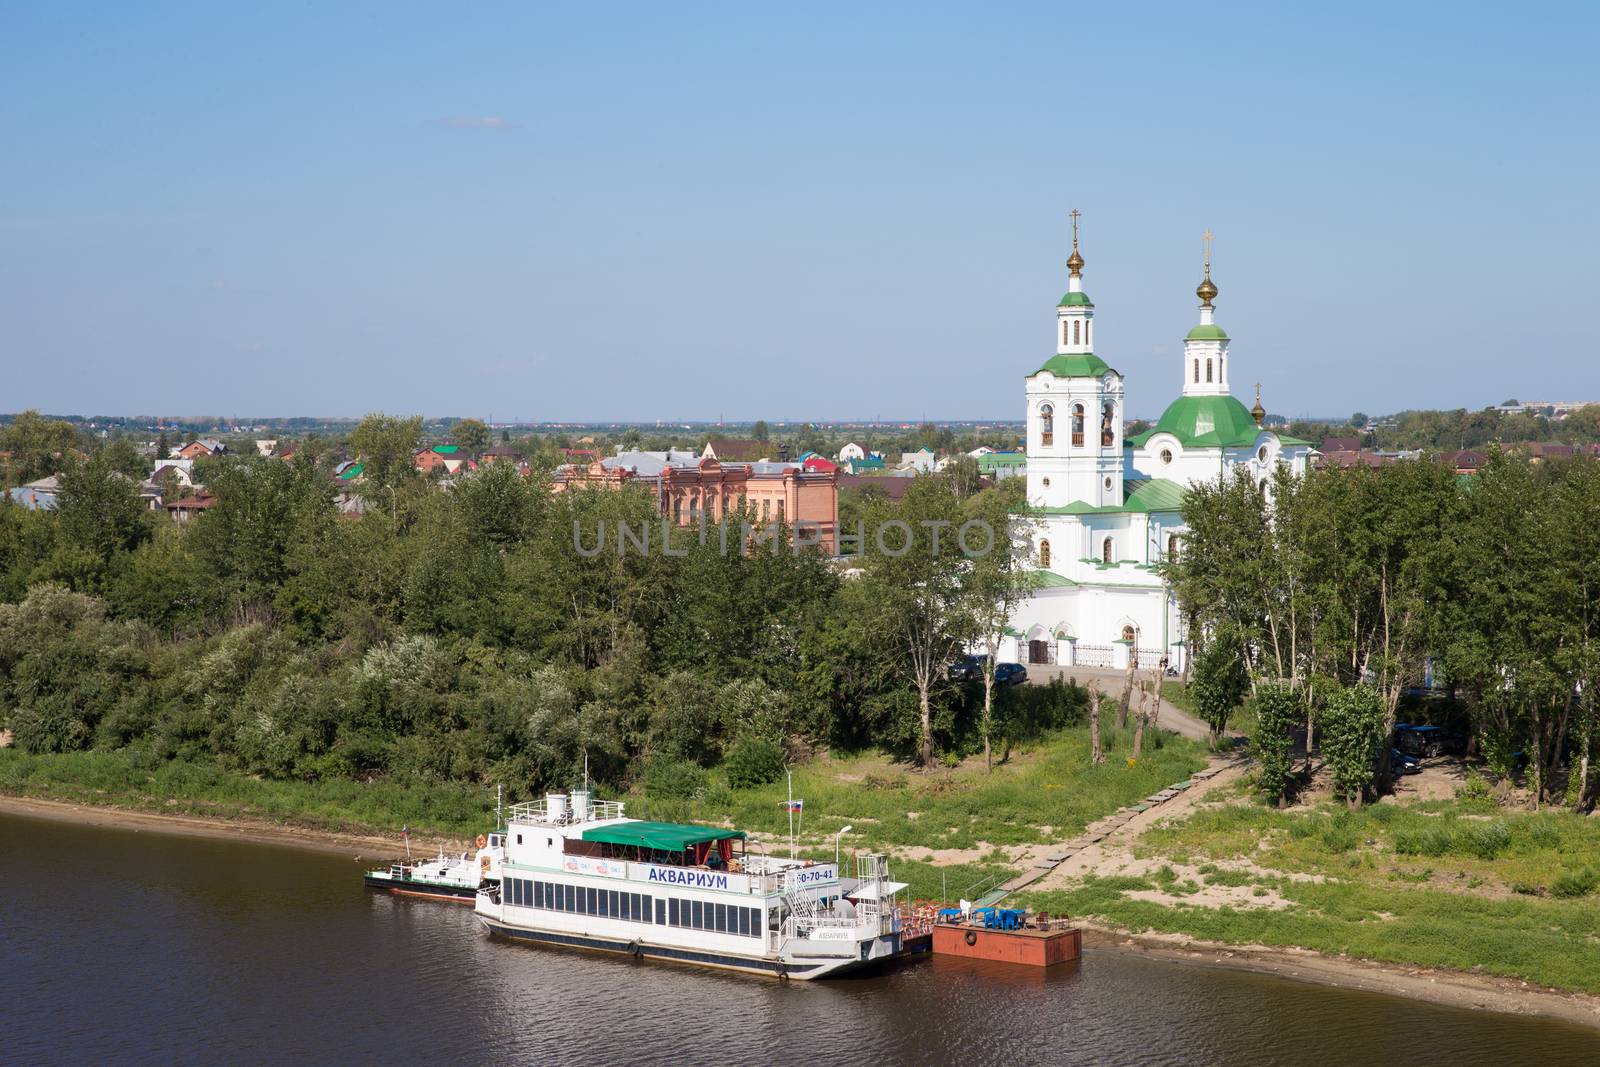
1487	840
754	761
1220	680
673	778
1575	883
1352	726
1278	711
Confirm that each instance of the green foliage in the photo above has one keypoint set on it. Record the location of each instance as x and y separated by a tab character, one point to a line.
754	761
35	446
1278	711
1352	727
1576	883
673	779
1220	679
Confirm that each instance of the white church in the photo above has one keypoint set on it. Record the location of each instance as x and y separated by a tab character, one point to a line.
1108	509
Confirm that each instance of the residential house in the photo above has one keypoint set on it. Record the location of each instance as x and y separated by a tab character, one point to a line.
867	464
812	461
266	447
182	471
1340	444
921	461
504	454
206	446
998	465
851	451
451	459
184	509
40	495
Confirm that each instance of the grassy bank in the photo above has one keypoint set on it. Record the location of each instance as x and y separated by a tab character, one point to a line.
1457	884
949	830
122	779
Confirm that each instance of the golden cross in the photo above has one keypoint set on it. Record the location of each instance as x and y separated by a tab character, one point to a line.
1207	237
1075	216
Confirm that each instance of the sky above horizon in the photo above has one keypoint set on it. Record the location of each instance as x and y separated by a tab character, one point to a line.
636	212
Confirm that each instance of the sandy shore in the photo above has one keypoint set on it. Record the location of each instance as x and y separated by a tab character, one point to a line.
1454	988
362	846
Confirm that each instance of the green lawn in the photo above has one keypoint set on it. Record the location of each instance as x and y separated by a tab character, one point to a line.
1443	884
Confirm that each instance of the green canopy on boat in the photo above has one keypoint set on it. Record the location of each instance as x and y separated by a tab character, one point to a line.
665	836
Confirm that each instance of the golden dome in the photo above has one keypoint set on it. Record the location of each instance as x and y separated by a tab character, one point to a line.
1206	291
1075	261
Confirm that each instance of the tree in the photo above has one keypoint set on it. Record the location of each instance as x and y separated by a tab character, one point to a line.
912	575
759	431
36	446
99	509
472	435
995	584
163	446
1277	714
386	445
265	509
1352	727
1220	680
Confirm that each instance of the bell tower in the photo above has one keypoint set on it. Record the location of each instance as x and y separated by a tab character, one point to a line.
1205	349
1075	453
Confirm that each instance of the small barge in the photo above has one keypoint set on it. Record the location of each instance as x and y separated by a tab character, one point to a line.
1006	935
577	872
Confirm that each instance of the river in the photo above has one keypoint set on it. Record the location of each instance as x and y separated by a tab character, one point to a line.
138	947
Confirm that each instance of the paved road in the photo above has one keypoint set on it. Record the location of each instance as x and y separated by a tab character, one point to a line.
1170	717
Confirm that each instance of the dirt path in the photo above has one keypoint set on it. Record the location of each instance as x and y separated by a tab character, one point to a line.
1114	852
1170	717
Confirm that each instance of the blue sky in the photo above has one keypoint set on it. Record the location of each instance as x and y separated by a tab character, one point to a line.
599	211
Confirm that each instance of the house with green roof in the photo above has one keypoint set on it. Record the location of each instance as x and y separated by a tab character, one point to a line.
1105	513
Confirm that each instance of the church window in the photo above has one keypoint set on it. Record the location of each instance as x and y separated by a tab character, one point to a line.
1066	332
1197	371
1219	367
1044	553
1172	548
1166	456
1129	633
1088	331
1208	370
1045	482
1261	453
1105	551
1047	425
1075	327
1108	433
1077	424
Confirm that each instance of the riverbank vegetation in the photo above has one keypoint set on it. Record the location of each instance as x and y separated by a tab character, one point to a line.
1460	883
1475	599
275	656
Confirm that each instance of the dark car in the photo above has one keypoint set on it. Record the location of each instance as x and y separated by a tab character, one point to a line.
1404	763
967	669
1010	674
971	668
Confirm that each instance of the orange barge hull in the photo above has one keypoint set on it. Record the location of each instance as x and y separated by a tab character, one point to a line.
1031	948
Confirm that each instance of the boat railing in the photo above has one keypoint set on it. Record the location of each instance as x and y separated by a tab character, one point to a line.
538	811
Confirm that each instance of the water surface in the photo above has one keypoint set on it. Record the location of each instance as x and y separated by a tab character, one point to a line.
137	947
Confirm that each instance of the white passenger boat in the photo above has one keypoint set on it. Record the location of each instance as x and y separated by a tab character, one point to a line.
455	878
574	871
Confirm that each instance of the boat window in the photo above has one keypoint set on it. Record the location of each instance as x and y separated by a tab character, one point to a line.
673	912
519	839
617	908
697	913
661	913
538	894
570	892
744	921
593	902
722	918
602	899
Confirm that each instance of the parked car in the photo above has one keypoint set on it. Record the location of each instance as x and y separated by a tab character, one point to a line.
1415	739
967	669
1404	763
1010	674
971	668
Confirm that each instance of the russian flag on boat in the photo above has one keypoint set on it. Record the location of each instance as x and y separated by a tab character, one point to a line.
797	805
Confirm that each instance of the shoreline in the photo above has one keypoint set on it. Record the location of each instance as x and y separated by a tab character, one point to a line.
1450	988
1457	989
369	846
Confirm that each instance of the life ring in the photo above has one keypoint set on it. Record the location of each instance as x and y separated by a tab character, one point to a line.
972	937
482	841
